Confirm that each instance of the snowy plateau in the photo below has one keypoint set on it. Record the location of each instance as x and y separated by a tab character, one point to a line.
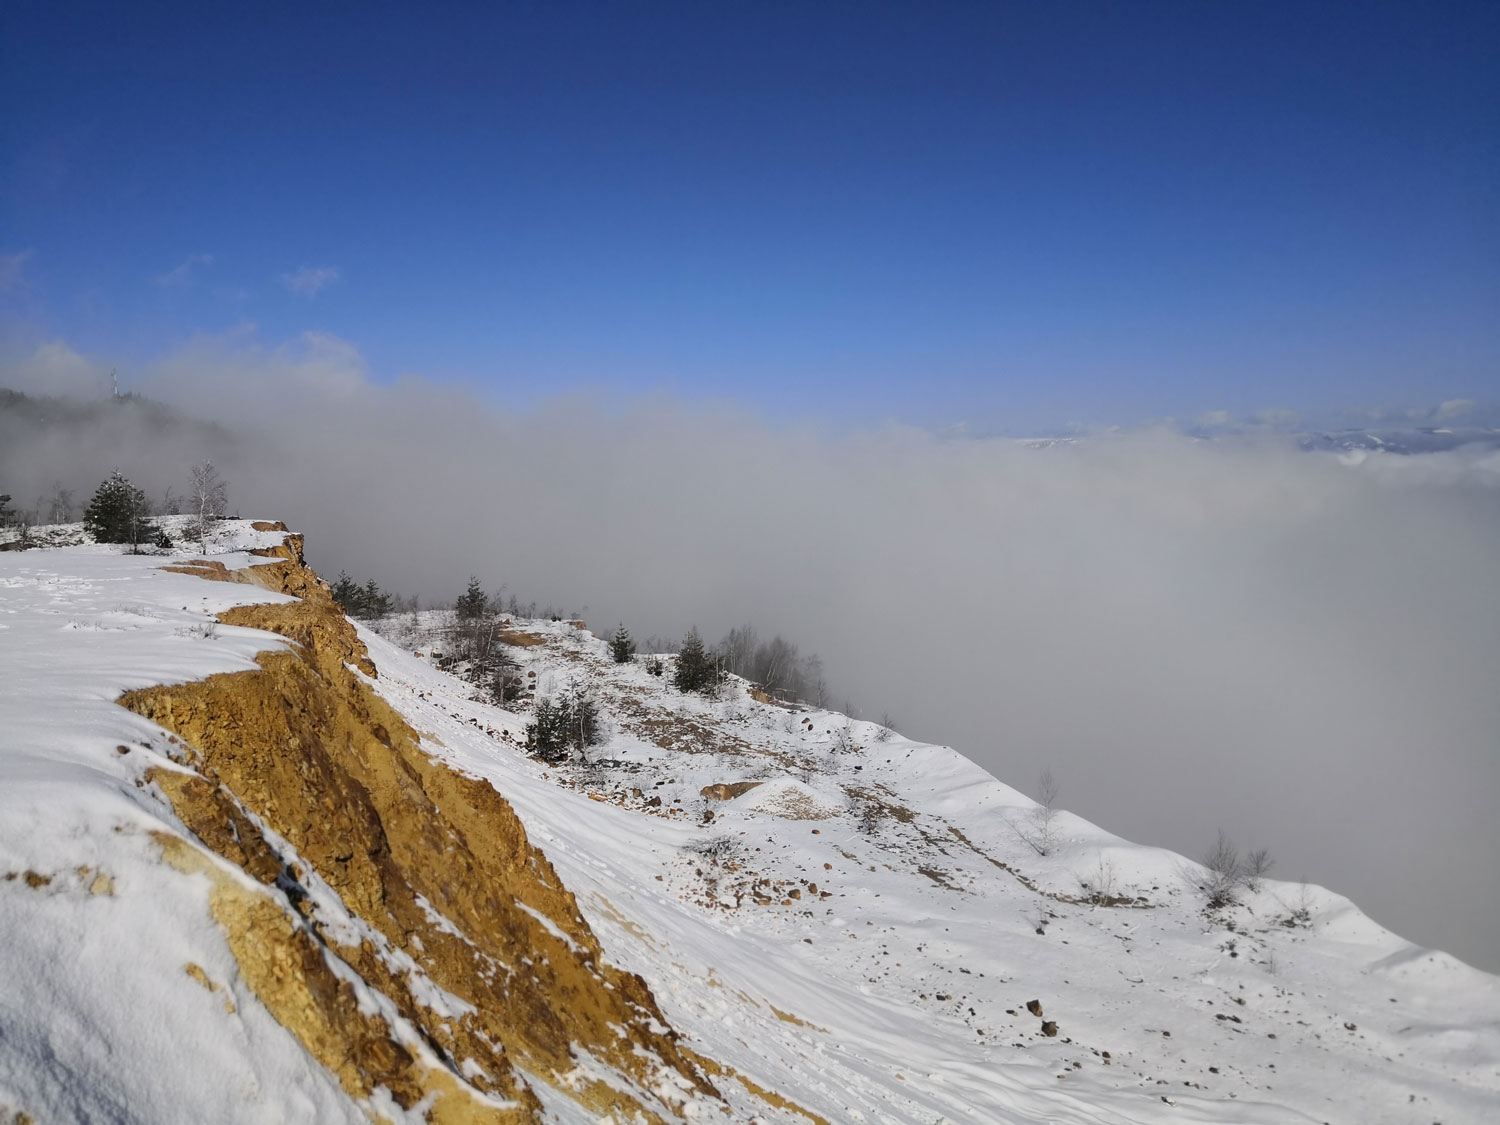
259	863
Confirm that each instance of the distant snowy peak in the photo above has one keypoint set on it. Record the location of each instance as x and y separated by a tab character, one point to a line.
1406	442
1425	440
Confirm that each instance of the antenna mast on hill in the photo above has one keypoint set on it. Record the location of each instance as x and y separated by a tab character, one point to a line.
115	379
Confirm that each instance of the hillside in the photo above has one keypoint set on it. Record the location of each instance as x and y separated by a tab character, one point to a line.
261	863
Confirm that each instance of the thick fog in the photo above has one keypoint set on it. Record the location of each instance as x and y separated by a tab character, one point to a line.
1190	635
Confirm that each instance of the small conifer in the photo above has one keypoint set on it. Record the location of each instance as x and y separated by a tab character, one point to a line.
472	603
696	669
119	513
622	646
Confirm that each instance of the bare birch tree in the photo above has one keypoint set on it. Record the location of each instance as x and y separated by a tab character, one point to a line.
208	496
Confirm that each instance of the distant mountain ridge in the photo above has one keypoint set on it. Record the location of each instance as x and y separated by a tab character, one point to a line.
1425	439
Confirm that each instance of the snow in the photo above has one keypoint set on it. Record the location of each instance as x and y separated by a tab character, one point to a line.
835	1001
100	1019
895	991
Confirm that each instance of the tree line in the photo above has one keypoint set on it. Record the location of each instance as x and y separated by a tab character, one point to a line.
119	512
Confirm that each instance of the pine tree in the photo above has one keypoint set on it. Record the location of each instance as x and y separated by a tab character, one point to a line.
696	669
621	646
368	600
346	592
563	725
4	508
375	602
472	603
547	733
119	513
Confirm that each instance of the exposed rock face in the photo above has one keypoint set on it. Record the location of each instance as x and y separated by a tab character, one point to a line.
727	791
303	777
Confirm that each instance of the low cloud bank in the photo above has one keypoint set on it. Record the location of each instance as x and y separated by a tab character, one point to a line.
1191	635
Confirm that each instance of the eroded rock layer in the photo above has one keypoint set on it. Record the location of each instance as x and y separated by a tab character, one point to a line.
302	776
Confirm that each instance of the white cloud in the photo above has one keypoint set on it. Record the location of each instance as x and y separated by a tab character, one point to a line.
12	270
56	369
1454	408
310	280
184	272
1214	419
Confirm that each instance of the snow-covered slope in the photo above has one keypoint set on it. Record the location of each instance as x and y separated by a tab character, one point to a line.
837	923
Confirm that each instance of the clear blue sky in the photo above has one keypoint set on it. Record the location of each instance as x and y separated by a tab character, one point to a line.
1014	215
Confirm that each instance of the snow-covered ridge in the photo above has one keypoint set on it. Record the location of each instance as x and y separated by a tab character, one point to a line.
849	922
884	895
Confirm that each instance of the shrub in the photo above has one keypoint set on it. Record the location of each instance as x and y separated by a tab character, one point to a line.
1221	875
1226	872
717	849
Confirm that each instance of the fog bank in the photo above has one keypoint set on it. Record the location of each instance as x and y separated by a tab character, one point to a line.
1191	635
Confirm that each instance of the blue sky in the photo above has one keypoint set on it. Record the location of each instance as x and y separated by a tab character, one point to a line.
1011	216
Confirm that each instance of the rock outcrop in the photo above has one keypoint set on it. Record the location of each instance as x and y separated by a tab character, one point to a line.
387	871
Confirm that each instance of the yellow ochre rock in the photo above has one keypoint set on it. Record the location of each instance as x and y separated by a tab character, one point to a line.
435	862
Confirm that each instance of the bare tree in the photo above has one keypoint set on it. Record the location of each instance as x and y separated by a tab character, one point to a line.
208	496
60	506
738	649
1222	875
1258	865
817	685
1041	834
775	665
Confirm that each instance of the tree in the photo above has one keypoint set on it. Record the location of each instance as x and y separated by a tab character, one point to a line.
4	508
507	684
546	733
473	602
1222	874
375	602
775	665
621	646
738	649
367	600
817	685
583	728
1258	865
60	507
696	669
119	513
208	494
563	725
346	592
1041	835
